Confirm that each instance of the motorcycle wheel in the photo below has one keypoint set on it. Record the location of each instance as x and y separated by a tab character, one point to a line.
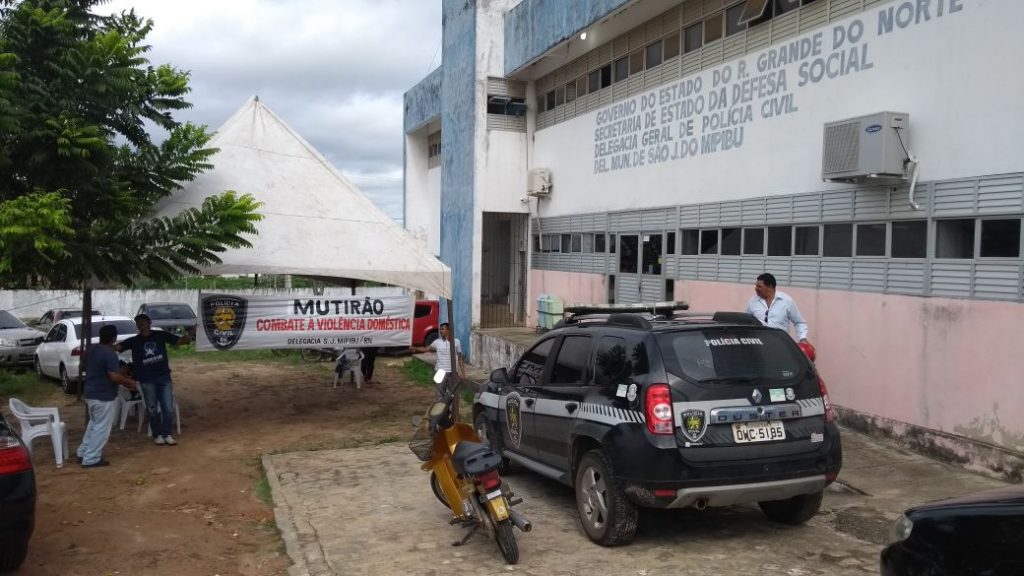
435	487
507	541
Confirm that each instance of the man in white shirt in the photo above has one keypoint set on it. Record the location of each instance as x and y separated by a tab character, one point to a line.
442	348
775	308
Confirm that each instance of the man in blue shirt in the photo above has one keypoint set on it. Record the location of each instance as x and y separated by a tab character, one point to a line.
102	376
774	308
151	369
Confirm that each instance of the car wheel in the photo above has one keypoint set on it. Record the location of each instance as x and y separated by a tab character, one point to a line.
487	436
69	385
795	510
13	556
608	518
429	339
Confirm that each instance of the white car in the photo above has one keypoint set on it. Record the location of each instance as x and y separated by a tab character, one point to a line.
59	353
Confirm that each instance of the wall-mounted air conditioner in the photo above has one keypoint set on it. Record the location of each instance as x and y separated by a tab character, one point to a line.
538	182
867	149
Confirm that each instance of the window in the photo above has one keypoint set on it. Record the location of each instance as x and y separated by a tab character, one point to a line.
536	243
550	243
760	355
507	106
612	365
559	96
125	328
753	241
566	242
636	62
570	92
954	238
531	367
806	241
1000	238
550	100
709	241
670	289
693	37
611	243
870	239
594	81
652	254
628	258
654	54
780	240
576	242
606	76
571	363
713	28
838	240
732	21
621	69
909	239
588	243
581	86
731	241
670	243
691	242
753	10
672	46
599	240
783	6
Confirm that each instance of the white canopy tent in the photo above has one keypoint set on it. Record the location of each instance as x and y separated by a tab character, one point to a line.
315	222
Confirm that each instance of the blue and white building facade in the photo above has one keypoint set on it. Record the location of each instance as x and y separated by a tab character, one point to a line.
686	148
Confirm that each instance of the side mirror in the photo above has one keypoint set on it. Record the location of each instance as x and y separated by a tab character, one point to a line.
499	376
439	376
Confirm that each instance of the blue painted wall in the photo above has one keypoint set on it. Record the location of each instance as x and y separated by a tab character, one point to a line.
458	125
423	101
534	26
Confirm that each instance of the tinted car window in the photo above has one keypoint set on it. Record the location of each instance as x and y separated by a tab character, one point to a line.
736	353
572	360
166	311
421	311
615	361
124	328
531	366
8	321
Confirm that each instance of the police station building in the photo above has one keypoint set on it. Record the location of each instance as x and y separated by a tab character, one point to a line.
868	153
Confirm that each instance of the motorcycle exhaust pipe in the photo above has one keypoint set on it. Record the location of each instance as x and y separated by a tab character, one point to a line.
520	521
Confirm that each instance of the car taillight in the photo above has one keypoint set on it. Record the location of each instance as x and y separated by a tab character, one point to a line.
490	480
659	409
830	413
14	457
77	351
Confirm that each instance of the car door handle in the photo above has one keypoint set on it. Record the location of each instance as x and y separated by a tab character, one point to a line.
571	406
529	402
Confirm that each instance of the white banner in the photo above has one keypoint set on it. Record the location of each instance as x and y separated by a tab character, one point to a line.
233	322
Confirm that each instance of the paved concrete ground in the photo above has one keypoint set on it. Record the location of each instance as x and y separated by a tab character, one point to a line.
371	511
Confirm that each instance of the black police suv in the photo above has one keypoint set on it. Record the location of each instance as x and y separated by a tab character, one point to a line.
17	498
666	410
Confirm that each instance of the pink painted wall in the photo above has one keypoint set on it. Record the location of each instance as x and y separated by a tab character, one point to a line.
950	365
571	287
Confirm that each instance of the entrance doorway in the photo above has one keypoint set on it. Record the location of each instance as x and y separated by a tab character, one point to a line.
641	275
503	270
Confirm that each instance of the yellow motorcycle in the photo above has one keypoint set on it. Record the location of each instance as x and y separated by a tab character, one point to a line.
464	473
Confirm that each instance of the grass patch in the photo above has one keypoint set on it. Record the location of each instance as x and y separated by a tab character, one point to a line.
263	490
419	373
24	386
189	351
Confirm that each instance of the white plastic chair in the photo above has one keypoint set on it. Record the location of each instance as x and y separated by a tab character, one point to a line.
352	358
36	422
127	404
142	413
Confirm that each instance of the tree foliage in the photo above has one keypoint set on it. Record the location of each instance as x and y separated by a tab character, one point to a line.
80	171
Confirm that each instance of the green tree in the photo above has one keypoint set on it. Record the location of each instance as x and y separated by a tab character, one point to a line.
80	172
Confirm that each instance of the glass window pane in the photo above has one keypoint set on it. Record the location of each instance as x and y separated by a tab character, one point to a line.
566	242
780	240
652	254
628	257
551	100
731	241
559	96
606	76
611	366
783	6
871	240
753	241
595	81
838	240
571	363
713	27
1000	238
611	243
672	46
654	54
670	243
599	240
909	239
581	86
732	23
806	241
693	38
954	238
621	69
636	62
577	242
530	368
570	91
691	242
709	241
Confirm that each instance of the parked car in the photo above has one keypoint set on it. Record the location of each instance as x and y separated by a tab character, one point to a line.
635	410
17	498
17	341
59	353
176	317
980	533
54	315
425	322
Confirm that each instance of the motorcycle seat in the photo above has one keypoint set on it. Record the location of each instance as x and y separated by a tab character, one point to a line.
474	458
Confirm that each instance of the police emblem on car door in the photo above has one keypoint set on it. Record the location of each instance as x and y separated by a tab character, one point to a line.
514	419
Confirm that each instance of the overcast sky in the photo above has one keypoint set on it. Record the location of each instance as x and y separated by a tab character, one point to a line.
333	70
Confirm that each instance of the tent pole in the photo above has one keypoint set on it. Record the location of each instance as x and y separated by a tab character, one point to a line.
454	355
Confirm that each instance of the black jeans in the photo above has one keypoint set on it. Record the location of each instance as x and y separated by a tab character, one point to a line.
369	357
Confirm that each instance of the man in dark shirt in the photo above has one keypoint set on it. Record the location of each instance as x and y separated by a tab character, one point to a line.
151	369
102	376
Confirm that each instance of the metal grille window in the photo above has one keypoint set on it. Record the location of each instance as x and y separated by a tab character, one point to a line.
731	241
753	241
709	241
870	239
806	241
954	238
838	240
691	242
780	240
909	239
1000	238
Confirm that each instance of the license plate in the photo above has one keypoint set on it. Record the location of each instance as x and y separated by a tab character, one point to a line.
743	432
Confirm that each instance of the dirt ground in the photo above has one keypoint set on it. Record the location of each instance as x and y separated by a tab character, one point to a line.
200	508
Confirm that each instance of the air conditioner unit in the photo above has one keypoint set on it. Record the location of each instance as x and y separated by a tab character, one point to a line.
538	183
871	149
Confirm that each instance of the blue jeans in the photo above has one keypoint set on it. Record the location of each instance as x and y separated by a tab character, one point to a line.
159	394
101	420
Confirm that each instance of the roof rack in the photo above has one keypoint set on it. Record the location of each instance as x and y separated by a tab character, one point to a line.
631	315
719	316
